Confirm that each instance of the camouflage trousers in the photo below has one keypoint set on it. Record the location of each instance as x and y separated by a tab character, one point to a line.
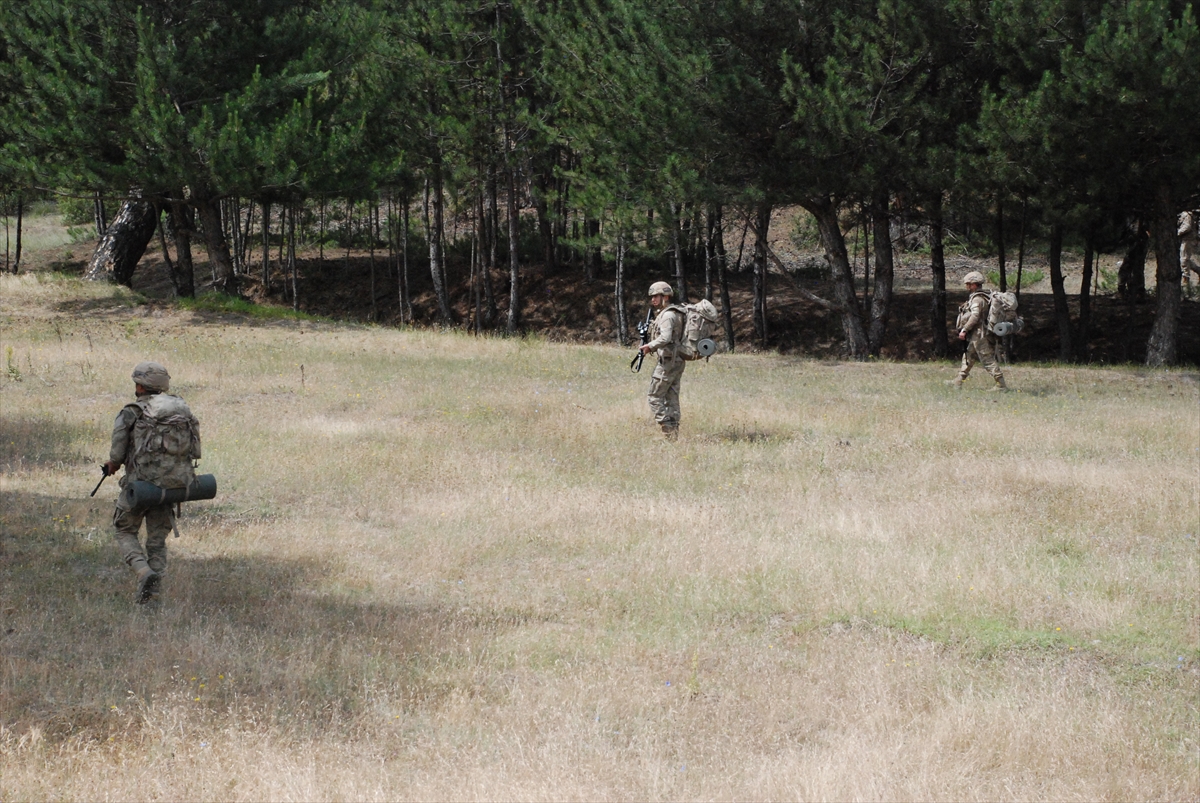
664	393
981	349
159	522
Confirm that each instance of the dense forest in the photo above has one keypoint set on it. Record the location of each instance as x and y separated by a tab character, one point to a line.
604	133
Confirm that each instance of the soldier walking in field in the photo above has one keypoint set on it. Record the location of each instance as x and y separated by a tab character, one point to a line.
156	438
972	327
666	333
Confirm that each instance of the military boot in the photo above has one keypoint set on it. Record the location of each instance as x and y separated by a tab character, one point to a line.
955	383
148	584
1000	385
670	433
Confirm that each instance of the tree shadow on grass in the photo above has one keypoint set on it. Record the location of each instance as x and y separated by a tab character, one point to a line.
246	640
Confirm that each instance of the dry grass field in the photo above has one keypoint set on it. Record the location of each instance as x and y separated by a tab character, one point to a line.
450	568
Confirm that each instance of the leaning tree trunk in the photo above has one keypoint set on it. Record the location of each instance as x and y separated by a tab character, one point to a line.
823	209
885	269
937	262
124	243
1161	347
225	280
1062	314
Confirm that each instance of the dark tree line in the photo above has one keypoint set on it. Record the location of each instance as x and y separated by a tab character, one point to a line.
631	130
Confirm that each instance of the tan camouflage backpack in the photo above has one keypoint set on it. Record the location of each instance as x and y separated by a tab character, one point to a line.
699	323
1003	319
166	439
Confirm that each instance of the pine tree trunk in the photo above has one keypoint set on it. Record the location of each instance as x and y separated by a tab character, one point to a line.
373	215
1131	275
406	310
436	256
245	246
1085	302
592	260
514	262
1000	255
619	294
266	248
541	204
179	222
717	223
20	224
123	244
98	215
291	258
762	225
823	209
681	288
937	262
477	237
491	311
1062	313
225	280
1161	348
881	298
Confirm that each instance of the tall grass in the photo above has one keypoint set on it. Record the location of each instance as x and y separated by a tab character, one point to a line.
456	568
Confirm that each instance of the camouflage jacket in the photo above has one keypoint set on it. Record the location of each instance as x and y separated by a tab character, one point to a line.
667	331
972	315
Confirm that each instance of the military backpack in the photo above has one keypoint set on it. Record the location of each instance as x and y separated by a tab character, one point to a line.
166	439
1002	317
699	323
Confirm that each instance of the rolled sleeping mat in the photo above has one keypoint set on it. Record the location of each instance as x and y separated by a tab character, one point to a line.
706	347
147	494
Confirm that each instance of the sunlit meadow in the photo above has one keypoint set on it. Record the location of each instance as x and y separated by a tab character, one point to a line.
442	567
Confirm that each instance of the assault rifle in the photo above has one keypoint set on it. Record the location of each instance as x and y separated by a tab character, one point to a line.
103	477
643	330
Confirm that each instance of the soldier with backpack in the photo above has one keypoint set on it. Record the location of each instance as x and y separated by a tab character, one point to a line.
156	438
666	335
974	327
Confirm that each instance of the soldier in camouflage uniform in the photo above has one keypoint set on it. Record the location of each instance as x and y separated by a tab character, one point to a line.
151	563
1189	246
666	333
972	327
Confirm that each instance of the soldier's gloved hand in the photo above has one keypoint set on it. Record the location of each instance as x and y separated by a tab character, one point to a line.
110	468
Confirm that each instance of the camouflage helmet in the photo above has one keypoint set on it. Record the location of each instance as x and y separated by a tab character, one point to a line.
152	376
974	277
661	289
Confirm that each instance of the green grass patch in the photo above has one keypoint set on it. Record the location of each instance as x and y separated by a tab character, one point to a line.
1028	277
227	304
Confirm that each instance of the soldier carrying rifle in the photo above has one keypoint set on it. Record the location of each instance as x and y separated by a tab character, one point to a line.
666	335
156	438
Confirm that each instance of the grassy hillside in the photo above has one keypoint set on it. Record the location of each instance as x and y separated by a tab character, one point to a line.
443	567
